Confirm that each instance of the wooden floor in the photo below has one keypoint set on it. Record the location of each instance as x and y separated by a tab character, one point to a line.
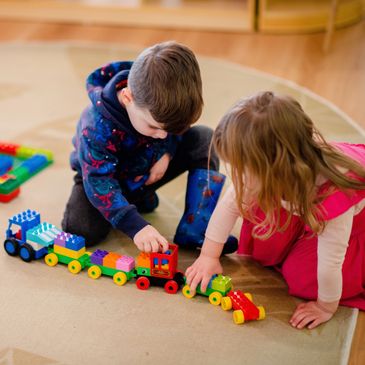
339	76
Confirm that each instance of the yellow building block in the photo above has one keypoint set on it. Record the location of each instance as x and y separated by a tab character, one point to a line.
69	253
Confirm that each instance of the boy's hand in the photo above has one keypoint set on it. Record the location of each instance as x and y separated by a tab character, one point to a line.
158	170
148	239
313	314
202	271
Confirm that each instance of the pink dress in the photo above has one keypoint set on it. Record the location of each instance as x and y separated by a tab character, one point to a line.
294	252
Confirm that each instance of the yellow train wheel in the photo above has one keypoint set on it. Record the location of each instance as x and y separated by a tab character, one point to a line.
187	292
238	317
74	267
120	278
94	272
215	298
262	313
226	303
248	296
51	259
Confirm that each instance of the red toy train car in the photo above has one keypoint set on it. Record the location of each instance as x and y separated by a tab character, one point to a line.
243	307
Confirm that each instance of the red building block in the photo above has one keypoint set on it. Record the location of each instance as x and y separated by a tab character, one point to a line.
244	308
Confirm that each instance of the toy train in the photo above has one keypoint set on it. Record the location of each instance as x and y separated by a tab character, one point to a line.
27	237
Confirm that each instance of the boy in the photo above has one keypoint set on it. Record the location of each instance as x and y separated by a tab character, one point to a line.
135	137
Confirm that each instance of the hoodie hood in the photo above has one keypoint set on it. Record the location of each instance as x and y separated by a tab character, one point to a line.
102	86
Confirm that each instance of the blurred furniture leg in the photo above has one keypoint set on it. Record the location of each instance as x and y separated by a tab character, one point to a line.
330	25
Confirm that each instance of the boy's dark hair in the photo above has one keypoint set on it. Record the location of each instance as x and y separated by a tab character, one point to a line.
165	79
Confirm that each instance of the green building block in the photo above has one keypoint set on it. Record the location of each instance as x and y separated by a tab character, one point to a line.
84	260
143	271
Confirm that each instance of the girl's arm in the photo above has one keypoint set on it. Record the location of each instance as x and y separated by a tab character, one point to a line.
223	218
332	247
220	225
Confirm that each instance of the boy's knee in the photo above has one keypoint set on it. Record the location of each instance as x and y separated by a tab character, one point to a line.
85	223
92	233
82	219
198	143
201	134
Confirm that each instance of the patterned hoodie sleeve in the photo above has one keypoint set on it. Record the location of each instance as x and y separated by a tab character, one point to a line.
98	165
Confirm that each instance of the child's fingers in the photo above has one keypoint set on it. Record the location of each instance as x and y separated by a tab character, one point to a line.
315	323
299	311
154	245
204	283
153	178
294	317
297	318
150	180
140	246
163	242
136	179
147	247
189	276
195	282
307	319
164	245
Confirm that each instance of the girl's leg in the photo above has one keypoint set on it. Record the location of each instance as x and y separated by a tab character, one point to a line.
300	271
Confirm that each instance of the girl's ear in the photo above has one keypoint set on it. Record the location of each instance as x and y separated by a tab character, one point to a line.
125	96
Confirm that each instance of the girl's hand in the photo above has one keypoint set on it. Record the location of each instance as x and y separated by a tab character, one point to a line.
313	314
202	271
148	239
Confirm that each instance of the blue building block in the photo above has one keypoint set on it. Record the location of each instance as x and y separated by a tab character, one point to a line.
43	234
28	216
6	163
70	241
25	220
35	163
75	243
40	253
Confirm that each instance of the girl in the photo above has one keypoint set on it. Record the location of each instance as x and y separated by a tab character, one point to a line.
302	202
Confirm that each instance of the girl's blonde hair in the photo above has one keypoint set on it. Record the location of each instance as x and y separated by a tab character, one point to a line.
276	154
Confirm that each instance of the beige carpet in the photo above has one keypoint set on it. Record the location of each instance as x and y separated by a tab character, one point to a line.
49	316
